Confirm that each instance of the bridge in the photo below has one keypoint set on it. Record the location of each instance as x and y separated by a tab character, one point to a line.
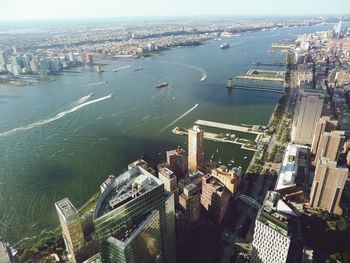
249	201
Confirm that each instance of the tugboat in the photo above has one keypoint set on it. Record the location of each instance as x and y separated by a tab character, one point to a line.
162	85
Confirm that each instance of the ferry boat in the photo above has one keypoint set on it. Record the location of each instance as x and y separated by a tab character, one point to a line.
139	68
225	45
162	85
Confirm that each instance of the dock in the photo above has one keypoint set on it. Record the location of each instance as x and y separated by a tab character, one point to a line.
225	126
214	137
247	87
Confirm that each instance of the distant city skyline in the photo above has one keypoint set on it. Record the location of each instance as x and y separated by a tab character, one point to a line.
65	9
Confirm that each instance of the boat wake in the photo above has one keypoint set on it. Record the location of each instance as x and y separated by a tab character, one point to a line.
83	99
116	69
177	119
54	118
97	83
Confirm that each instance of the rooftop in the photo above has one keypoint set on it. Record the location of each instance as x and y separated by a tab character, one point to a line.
126	187
66	208
289	168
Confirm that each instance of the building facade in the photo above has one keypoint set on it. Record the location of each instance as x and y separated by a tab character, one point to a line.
131	210
190	203
324	124
195	148
330	145
230	178
327	186
177	161
308	111
72	231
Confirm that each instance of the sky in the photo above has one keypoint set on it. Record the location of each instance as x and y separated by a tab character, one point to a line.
70	9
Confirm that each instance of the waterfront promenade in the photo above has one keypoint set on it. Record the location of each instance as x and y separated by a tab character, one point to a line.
225	126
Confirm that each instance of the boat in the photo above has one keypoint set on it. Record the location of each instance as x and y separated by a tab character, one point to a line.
245	157
204	77
162	85
225	45
115	70
139	68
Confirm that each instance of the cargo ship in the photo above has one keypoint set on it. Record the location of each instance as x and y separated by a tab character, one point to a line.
162	85
225	45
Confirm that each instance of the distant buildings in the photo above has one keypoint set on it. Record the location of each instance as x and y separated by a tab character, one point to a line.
276	233
72	231
134	219
215	197
229	178
195	148
327	186
307	112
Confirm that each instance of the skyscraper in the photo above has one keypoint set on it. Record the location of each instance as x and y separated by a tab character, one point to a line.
190	203
230	178
177	161
308	110
134	219
324	124
330	145
195	148
3	59
169	180
71	226
327	186
276	236
215	197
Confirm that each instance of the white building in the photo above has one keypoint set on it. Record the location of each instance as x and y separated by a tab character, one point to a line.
289	168
274	238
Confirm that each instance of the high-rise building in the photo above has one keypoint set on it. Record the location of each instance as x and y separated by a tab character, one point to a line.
44	65
190	203
276	237
215	197
308	111
134	219
327	186
72	231
324	124
230	178
330	145
169	180
177	161
34	66
3	58
195	149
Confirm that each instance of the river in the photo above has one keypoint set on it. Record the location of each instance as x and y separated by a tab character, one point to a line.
63	138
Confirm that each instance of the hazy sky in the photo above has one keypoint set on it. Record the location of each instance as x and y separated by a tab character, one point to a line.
61	9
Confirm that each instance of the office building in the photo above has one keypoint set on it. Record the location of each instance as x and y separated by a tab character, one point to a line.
289	168
215	197
106	183
324	124
3	58
44	65
276	234
327	186
72	231
169	180
195	149
139	162
230	178
308	111
134	219
177	161
189	202
330	145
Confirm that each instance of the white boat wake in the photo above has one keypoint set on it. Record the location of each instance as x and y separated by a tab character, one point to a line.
97	83
177	119
120	68
56	117
83	99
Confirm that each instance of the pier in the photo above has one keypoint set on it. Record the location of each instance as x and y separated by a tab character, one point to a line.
214	137
247	87
225	126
